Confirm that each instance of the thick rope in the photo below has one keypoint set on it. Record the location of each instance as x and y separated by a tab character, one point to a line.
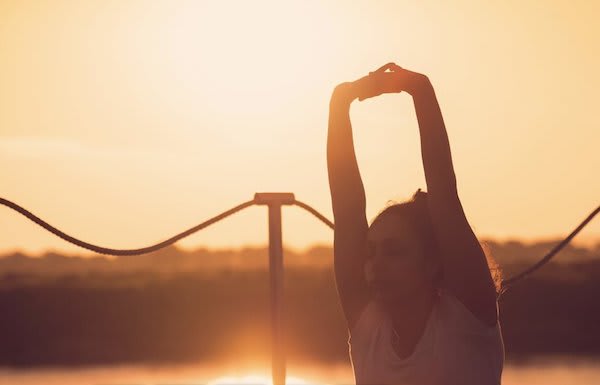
315	213
507	283
122	252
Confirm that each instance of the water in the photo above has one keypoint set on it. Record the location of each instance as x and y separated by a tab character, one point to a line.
548	371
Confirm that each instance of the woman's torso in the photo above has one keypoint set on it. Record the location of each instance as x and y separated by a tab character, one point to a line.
455	348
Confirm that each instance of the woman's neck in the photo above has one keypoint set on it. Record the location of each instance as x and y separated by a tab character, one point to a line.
409	319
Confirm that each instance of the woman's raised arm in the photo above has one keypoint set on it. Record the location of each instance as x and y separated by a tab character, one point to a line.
349	205
347	192
466	272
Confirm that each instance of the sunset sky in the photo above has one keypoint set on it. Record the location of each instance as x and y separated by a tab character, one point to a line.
126	122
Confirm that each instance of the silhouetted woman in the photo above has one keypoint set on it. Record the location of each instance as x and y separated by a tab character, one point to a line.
415	286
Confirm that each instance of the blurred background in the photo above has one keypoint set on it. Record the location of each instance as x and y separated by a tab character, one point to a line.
125	122
176	315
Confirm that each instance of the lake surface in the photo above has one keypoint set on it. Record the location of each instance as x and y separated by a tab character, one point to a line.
547	371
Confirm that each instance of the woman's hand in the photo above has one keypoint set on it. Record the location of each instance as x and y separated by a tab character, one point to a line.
390	78
381	81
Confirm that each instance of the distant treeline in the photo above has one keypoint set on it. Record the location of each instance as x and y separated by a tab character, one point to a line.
176	306
510	254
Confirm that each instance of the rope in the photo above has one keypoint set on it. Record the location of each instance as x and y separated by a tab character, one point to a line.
122	252
506	284
315	213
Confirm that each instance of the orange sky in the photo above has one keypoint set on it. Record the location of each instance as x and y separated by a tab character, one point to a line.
123	123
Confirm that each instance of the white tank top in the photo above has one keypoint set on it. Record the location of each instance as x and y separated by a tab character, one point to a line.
455	348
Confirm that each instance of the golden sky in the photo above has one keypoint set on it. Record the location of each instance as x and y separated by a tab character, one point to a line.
125	122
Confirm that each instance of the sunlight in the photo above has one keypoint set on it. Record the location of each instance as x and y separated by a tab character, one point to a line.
247	57
255	380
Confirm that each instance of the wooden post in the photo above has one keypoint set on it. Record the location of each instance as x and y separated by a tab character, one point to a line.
274	201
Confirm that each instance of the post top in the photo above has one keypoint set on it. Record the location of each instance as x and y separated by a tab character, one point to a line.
267	198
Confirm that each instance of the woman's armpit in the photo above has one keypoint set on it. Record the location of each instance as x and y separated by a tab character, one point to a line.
462	318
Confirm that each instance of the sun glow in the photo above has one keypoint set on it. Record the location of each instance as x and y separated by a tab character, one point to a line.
254	379
247	57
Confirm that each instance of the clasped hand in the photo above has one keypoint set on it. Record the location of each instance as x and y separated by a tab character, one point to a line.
390	78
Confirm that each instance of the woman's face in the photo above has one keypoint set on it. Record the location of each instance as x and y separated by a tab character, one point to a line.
396	267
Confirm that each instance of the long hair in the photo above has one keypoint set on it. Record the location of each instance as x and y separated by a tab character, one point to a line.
416	213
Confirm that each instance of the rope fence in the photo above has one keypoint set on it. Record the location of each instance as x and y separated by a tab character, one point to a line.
256	201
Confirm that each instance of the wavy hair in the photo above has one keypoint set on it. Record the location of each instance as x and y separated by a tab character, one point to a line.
416	213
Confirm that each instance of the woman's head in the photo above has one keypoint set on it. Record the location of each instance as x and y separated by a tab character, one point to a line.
403	251
404	255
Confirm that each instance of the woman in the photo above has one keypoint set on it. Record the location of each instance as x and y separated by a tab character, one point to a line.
415	286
